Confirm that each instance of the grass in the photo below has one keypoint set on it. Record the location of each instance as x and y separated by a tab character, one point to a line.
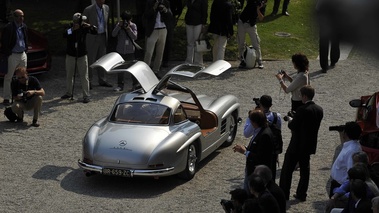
51	17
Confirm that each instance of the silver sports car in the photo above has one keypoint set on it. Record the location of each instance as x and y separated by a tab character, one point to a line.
162	128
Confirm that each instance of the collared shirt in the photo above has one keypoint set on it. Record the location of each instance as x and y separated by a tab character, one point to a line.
100	20
20	41
248	129
344	161
301	79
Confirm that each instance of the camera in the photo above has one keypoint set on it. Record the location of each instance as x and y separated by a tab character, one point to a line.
126	24
227	204
281	72
257	102
22	94
160	7
339	128
289	116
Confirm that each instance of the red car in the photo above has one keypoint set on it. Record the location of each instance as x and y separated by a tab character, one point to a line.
368	118
39	58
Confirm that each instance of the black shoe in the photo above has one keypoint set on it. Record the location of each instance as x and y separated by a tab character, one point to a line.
301	199
66	96
242	65
332	65
19	120
86	100
324	70
35	123
6	102
273	14
285	13
105	84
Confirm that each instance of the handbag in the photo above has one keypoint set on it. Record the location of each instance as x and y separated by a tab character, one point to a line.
10	114
202	45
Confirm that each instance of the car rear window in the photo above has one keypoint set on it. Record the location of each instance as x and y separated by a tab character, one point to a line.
143	113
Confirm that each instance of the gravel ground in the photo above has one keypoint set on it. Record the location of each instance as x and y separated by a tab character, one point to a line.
39	165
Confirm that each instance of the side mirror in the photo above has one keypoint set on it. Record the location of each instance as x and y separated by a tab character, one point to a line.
356	103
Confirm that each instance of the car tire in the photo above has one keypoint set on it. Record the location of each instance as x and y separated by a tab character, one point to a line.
191	163
232	131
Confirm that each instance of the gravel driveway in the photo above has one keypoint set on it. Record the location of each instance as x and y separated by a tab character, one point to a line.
39	165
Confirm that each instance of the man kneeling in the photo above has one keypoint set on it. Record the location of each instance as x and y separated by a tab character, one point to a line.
27	95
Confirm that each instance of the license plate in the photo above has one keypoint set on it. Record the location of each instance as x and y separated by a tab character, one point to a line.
117	172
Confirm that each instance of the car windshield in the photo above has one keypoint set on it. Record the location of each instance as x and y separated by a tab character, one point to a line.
144	113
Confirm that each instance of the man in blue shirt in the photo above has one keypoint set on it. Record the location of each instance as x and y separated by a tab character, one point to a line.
14	45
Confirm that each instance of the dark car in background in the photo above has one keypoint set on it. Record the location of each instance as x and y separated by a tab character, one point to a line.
39	58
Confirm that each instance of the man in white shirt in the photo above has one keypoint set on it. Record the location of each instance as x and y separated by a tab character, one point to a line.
344	161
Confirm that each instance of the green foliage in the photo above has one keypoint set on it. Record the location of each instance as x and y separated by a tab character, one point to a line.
51	17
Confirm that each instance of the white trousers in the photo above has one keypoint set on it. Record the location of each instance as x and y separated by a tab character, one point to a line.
193	33
156	41
242	29
82	70
14	60
219	46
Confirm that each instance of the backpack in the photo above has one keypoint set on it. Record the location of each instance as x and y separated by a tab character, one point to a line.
10	114
250	56
277	132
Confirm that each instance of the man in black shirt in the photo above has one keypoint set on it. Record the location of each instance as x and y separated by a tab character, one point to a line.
253	11
27	95
76	57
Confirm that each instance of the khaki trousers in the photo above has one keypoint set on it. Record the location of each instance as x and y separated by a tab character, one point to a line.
34	103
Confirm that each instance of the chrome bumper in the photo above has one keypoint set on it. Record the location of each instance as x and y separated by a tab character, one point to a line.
147	173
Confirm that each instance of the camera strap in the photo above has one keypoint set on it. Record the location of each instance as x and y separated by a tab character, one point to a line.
133	42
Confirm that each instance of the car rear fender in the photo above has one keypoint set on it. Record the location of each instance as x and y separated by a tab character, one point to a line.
189	141
224	106
89	141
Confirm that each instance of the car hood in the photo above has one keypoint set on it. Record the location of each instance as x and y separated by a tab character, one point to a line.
127	144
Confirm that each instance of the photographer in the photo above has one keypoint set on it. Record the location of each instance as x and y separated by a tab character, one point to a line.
126	33
156	19
349	134
260	148
76	55
301	64
27	95
304	128
234	205
247	24
275	123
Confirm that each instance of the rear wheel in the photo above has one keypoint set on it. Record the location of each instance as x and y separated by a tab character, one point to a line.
232	131
191	167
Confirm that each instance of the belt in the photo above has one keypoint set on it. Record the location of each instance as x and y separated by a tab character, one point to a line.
160	28
101	34
17	52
